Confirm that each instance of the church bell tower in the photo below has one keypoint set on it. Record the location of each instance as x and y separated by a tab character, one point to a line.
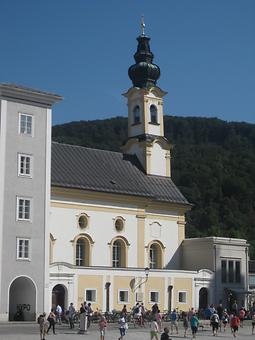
145	113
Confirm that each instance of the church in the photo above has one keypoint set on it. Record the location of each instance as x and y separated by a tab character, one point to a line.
80	224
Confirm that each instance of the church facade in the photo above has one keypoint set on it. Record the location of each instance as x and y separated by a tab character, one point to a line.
80	224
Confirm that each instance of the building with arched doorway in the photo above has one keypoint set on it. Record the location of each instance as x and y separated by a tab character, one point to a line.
81	224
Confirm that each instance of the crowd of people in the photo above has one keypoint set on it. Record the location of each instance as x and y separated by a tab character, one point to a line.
218	318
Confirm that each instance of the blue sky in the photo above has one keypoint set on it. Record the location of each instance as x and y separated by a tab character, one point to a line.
81	49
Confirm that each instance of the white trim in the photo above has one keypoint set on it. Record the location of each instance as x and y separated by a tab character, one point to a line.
154	291
30	208
29	249
178	296
30	175
128	296
32	124
85	295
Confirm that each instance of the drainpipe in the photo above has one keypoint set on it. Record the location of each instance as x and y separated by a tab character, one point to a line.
107	287
169	289
215	276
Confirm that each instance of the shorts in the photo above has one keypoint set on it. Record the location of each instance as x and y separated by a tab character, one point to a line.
235	328
215	325
153	333
102	332
194	329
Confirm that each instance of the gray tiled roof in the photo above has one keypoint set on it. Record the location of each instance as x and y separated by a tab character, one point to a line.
107	171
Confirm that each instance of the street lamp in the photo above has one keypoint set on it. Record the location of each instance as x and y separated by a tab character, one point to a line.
142	280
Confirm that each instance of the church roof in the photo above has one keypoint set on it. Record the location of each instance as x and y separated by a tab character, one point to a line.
107	171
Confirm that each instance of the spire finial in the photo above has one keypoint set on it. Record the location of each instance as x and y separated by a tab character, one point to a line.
142	25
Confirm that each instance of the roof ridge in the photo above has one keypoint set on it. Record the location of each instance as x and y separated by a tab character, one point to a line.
87	147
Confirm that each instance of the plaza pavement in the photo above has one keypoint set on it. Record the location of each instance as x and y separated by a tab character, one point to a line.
30	331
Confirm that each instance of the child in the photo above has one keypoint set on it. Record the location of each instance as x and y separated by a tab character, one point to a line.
234	323
225	319
102	327
122	328
154	329
164	335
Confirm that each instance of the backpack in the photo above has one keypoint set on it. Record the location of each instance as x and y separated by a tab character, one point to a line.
215	318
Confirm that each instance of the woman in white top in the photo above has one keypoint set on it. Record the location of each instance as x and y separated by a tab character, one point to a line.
154	329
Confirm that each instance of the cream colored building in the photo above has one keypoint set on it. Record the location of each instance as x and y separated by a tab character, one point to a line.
114	214
80	224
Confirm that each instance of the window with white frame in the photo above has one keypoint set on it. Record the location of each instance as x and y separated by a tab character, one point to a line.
182	297
91	295
123	296
24	165
23	209
25	124
154	296
23	249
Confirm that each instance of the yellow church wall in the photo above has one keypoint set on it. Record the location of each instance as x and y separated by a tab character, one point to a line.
122	283
155	284
90	282
182	285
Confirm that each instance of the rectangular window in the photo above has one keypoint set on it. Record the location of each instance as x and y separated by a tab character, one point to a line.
224	271
25	124
182	297
231	271
23	209
91	295
23	251
154	297
24	165
123	296
238	272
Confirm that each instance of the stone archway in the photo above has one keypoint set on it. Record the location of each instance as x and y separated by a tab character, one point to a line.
22	300
59	296
203	298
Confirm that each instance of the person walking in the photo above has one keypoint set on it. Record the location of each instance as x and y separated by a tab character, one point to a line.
154	330
52	320
122	326
43	325
241	316
71	313
185	323
234	324
225	319
253	323
102	327
173	320
58	314
194	325
215	323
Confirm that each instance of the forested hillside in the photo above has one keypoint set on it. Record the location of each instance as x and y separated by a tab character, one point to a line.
213	164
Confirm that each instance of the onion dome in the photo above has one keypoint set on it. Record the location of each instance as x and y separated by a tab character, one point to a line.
144	73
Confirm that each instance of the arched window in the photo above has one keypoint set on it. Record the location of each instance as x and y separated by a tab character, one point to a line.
119	254
154	114
82	252
155	256
136	114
